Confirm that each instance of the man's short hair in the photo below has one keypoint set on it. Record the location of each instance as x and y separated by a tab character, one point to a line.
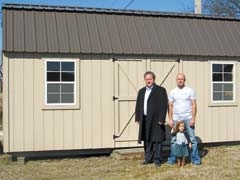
150	72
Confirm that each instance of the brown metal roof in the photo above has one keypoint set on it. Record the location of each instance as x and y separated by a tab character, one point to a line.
47	29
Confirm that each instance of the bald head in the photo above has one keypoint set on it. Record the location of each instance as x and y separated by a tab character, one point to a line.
180	79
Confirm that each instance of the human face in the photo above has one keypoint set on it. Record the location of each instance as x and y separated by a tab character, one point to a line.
180	80
149	80
181	127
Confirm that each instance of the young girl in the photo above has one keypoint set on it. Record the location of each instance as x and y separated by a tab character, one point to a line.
182	142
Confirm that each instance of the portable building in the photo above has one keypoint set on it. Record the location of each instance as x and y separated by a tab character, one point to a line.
71	74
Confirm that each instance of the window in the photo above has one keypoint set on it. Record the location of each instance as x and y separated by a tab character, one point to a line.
60	82
223	82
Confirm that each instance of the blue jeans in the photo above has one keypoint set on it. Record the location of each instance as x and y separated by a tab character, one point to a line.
194	155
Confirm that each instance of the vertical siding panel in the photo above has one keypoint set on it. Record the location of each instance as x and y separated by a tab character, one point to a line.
62	33
123	86
28	76
214	123
107	106
18	129
68	137
29	31
132	128
9	30
41	33
5	103
51	30
58	128
96	103
48	130
77	114
38	70
11	104
78	128
18	33
87	103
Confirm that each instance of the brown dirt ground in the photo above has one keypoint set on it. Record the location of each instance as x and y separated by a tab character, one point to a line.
218	163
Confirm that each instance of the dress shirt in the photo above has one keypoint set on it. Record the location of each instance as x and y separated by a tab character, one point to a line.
147	93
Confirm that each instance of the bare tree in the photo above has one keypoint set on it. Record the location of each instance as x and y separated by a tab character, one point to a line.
229	8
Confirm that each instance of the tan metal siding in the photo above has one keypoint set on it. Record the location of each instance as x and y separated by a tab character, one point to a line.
32	128
38	69
5	103
214	124
17	120
28	102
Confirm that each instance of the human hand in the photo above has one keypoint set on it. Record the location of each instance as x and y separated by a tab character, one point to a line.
171	123
192	122
190	145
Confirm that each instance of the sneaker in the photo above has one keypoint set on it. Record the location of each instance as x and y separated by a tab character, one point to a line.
196	163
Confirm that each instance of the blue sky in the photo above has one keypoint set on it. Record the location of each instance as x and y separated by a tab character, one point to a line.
183	6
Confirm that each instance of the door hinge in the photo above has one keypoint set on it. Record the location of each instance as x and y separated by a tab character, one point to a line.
115	98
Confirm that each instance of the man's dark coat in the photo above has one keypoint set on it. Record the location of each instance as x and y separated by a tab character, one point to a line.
157	105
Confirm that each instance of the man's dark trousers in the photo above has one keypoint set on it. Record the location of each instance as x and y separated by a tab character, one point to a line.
153	150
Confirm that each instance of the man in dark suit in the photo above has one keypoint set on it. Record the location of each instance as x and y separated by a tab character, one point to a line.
150	113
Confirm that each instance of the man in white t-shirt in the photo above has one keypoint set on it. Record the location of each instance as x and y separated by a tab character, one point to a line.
182	106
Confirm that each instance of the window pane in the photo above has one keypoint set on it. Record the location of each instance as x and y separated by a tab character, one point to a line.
53	98
217	77
227	87
67	66
67	98
228	67
67	88
53	66
228	77
67	76
53	88
217	67
228	96
217	87
53	76
217	96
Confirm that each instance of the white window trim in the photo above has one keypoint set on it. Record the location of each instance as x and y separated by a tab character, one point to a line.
45	82
233	102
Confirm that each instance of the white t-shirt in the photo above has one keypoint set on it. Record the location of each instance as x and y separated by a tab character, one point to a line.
181	98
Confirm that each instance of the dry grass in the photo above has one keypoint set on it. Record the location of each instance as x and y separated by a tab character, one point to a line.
219	163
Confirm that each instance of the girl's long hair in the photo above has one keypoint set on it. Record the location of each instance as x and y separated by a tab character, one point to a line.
176	128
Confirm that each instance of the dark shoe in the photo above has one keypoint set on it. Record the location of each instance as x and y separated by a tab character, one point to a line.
146	162
157	163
